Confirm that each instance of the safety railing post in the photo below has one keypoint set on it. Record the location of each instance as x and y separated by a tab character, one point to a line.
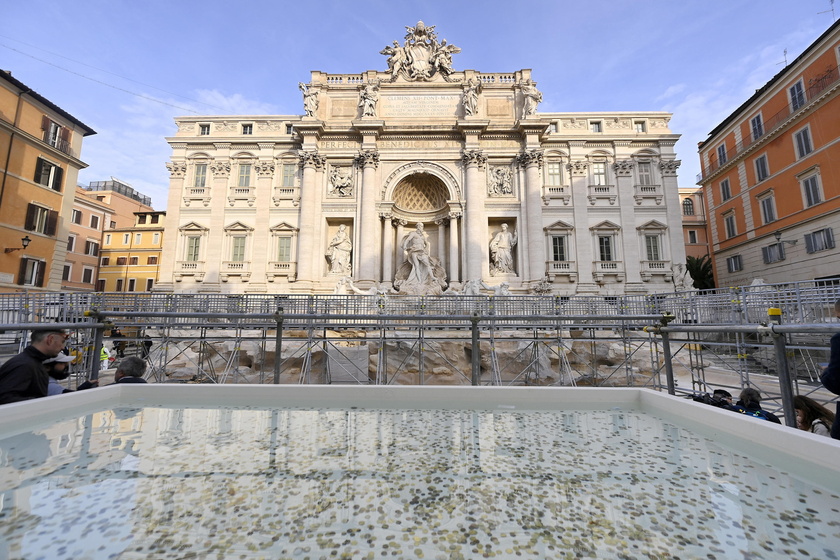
774	317
666	349
475	359
278	345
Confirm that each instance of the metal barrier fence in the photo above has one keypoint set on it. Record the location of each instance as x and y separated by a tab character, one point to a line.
717	338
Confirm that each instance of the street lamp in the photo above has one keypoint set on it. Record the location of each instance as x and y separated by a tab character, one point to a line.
778	235
25	241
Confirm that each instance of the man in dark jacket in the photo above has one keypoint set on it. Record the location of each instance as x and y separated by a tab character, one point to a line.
749	403
130	370
24	376
831	375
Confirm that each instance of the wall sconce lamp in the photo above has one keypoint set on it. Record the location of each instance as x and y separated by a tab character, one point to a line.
778	235
25	241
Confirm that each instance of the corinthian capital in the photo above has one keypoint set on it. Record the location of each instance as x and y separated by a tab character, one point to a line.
220	168
176	169
474	157
669	168
578	168
312	159
265	168
530	157
623	168
367	158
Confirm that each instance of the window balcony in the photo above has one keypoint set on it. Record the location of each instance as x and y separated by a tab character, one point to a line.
197	194
653	192
603	269
59	144
194	269
247	194
557	193
607	192
565	269
240	269
650	269
277	268
286	194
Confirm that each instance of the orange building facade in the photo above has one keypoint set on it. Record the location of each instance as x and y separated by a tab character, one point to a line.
694	222
771	176
39	162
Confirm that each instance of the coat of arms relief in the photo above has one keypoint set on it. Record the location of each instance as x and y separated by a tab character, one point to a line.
421	57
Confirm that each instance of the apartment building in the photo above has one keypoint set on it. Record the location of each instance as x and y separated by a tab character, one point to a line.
771	178
131	255
694	222
88	219
40	145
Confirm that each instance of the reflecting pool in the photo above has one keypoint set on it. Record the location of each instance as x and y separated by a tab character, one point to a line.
251	482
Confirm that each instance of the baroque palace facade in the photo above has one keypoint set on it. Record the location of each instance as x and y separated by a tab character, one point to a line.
422	179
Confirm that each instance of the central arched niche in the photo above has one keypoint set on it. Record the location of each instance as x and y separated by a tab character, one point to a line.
420	193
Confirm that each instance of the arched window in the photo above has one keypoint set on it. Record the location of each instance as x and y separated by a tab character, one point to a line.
688	207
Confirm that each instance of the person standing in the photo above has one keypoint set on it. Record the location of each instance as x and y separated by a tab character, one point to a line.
830	377
24	377
147	347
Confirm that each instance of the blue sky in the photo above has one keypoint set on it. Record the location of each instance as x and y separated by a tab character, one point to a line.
128	68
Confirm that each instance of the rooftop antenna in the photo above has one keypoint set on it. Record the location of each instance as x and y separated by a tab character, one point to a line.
833	17
785	62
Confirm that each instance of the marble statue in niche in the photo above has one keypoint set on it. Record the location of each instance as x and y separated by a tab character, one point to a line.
420	274
501	252
338	252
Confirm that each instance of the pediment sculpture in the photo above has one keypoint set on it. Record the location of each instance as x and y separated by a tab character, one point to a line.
421	57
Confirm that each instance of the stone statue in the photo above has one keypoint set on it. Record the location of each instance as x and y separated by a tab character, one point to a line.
310	99
397	59
375	290
471	288
341	286
470	97
442	58
502	289
367	100
533	97
420	274
416	247
340	184
501	255
544	287
338	253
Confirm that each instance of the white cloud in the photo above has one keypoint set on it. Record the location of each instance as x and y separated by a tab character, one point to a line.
671	91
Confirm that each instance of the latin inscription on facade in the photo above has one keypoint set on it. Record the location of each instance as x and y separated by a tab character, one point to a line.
420	105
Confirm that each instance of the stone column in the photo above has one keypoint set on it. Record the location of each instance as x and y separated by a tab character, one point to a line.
532	160
441	248
400	234
366	256
387	248
584	244
475	220
454	253
311	163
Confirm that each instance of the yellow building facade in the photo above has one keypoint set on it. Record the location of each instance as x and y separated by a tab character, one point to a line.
39	166
131	255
